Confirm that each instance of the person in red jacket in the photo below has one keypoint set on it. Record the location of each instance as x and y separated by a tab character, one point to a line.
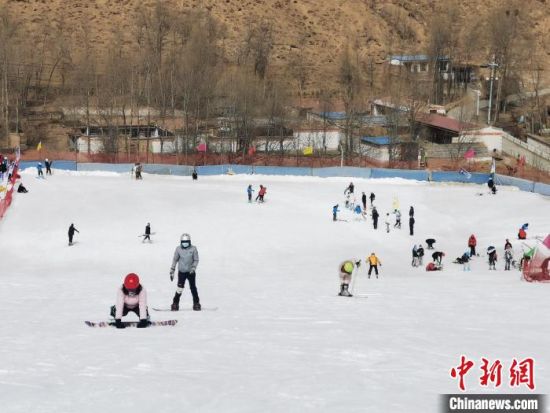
261	193
472	242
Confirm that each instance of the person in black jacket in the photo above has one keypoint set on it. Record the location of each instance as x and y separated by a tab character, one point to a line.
21	189
147	232
372	196
72	229
411	211
411	225
349	190
375	218
438	256
364	201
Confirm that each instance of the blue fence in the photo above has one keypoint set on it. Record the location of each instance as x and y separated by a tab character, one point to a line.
209	170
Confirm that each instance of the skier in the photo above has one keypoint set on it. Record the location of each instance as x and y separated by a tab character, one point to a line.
438	257
372	196
411	225
387	222
397	219
335	211
72	229
187	258
131	296
492	253
138	171
430	242
359	211
364	201
249	191
472	242
508	258
346	271
491	184
147	232
411	211
522	233
194	175
375	218
39	168
373	264
420	253
261	193
21	189
48	165
414	256
349	190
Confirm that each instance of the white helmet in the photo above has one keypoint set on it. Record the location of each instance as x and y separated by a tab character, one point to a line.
185	240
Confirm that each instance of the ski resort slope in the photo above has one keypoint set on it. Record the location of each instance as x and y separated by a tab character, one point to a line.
281	339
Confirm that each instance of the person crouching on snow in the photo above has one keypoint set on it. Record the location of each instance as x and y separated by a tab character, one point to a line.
131	296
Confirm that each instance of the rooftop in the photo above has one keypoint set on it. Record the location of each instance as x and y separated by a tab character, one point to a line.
444	122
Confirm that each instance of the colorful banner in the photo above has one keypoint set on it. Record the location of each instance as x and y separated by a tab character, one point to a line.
201	147
308	150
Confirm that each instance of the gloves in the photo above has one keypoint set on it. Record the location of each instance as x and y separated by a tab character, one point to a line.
172	274
118	324
358	263
143	323
192	273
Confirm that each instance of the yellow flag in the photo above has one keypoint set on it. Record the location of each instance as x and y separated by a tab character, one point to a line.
39	146
308	150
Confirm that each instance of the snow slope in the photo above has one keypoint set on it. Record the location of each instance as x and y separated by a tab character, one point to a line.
282	340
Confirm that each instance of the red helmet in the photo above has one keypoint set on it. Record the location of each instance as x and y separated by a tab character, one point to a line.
131	281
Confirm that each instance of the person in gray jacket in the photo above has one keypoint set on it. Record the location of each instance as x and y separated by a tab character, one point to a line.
187	258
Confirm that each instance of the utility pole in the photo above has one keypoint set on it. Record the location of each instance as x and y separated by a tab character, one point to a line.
492	65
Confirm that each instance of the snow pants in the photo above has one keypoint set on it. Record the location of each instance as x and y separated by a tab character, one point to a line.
375	269
182	277
127	310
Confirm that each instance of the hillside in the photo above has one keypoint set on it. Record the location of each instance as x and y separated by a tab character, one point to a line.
316	30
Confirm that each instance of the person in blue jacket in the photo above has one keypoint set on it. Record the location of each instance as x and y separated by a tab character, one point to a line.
249	191
39	168
335	211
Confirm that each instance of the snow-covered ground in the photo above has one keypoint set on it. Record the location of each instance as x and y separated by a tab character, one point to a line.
281	340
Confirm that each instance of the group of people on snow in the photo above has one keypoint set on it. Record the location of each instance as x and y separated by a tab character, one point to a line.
347	268
259	197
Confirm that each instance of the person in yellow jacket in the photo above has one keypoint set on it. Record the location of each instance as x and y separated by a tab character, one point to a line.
346	270
374	262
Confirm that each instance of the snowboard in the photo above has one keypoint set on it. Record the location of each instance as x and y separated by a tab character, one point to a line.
131	323
187	309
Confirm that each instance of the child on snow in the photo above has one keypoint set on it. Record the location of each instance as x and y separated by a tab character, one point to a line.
397	219
420	254
249	191
492	253
472	242
373	264
335	211
387	222
433	267
414	256
346	271
131	296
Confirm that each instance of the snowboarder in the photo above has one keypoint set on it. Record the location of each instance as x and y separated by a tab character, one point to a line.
438	257
433	267
249	191
72	230
411	225
420	254
372	197
194	175
349	190
387	222
187	258
21	189
430	242
466	261
373	264
397	219
508	258
415	256
335	211
131	296
147	233
375	218
472	242
48	166
364	201
411	211
346	271
492	253
39	168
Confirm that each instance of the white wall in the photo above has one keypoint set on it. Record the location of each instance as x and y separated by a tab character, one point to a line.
96	145
315	138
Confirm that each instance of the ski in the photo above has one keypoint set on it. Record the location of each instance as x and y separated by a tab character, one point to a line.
130	323
187	309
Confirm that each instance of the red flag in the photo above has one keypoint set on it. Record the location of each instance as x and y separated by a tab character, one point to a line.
546	242
201	147
470	153
252	150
